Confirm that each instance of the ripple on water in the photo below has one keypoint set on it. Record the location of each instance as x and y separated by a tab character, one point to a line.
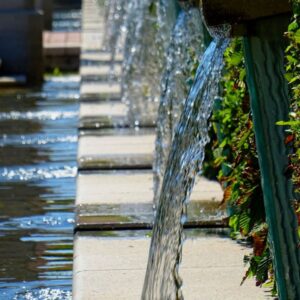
38	141
44	294
36	173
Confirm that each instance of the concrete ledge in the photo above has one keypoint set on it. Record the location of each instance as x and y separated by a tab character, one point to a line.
114	268
102	71
100	56
101	90
133	187
118	151
109	109
103	115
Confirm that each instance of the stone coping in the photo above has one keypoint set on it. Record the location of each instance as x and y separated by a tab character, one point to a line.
112	267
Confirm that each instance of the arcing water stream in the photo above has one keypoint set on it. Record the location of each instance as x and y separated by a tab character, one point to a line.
148	26
115	14
184	52
184	163
147	37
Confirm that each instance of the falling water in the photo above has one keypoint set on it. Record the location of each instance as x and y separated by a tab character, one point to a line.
115	14
148	27
184	163
185	48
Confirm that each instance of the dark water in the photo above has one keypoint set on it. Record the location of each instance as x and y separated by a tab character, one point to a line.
38	142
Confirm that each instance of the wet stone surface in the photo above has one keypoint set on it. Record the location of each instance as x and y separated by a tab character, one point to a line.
141	216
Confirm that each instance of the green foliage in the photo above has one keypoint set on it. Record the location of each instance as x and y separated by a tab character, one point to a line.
293	77
235	158
232	157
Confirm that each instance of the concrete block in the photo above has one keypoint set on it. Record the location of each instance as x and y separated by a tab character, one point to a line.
117	151
103	115
114	268
101	89
123	199
102	71
133	187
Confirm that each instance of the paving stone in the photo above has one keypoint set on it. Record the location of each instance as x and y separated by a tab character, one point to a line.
114	268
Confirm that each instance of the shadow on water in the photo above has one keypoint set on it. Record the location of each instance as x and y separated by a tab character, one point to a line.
38	142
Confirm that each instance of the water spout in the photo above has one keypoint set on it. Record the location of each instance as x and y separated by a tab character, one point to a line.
185	50
148	30
184	163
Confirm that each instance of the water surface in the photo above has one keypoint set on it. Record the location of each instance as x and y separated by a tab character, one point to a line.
38	142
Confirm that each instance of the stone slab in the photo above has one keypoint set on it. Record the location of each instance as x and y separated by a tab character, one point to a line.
114	268
100	56
124	199
101	89
103	115
98	114
106	109
100	71
132	187
117	151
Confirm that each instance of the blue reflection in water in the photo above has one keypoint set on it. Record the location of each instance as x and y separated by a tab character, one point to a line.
38	142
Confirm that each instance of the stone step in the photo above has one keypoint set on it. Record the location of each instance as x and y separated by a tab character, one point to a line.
102	71
119	151
96	57
103	115
100	89
124	199
133	187
99	114
112	265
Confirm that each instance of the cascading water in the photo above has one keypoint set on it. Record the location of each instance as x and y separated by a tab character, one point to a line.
162	279
148	31
115	14
185	48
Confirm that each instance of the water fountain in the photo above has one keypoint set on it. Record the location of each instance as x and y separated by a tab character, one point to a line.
264	46
184	52
148	29
184	163
115	15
